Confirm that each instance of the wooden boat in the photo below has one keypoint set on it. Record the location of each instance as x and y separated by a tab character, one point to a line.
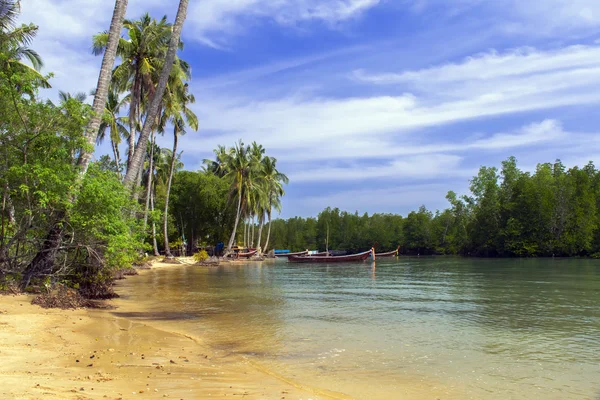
330	259
300	253
388	254
246	255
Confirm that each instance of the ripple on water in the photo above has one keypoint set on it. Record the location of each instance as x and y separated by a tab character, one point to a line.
456	328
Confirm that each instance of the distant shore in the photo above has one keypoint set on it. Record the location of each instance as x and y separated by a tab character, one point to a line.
91	354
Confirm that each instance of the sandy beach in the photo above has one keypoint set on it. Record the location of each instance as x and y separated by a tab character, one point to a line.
92	354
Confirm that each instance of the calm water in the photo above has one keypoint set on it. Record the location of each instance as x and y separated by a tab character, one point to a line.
407	328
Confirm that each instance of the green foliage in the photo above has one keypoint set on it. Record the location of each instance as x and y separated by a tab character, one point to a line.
552	212
200	256
104	218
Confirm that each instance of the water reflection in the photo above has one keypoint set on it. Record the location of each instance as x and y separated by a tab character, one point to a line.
491	329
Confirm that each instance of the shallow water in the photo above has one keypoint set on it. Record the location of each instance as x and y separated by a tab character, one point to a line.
407	328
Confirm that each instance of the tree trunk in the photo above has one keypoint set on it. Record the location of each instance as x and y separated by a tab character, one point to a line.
133	117
154	244
237	221
149	184
152	113
169	181
252	237
245	233
260	228
117	158
44	260
108	61
268	234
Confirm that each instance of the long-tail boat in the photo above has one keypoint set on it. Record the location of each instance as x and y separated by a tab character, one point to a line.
300	253
246	255
330	259
388	254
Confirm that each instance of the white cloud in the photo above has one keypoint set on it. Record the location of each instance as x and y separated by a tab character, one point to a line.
523	62
215	21
413	167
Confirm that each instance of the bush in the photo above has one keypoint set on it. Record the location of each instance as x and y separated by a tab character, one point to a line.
201	256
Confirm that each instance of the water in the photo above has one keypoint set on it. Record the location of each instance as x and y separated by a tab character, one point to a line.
446	328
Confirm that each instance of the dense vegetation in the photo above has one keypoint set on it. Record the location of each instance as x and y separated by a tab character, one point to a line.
67	219
551	212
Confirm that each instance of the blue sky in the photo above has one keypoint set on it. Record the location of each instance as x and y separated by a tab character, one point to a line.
369	105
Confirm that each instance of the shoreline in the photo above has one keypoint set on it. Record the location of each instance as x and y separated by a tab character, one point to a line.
92	354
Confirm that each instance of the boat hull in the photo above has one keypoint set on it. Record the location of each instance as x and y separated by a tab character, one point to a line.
246	255
301	253
330	259
388	254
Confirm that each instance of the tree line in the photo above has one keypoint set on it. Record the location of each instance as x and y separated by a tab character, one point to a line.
553	211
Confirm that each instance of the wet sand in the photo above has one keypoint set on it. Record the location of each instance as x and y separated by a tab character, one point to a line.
91	354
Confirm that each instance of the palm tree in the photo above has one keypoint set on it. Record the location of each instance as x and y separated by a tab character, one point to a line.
140	53
104	80
154	107
237	167
114	124
66	96
14	42
217	166
274	181
176	111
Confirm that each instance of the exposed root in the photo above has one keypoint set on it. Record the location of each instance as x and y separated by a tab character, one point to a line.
66	298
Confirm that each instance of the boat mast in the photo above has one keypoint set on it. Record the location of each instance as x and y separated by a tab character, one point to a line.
327	240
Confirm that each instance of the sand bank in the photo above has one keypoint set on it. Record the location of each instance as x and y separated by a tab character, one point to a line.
91	354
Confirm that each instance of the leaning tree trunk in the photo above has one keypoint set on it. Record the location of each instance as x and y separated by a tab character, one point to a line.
237	221
43	262
260	228
169	182
268	234
154	244
149	184
151	115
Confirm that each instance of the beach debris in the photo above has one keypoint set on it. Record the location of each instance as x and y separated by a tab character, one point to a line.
172	362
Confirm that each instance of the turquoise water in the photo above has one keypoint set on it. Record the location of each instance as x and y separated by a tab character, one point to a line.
401	328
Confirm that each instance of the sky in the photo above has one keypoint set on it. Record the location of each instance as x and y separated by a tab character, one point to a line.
368	105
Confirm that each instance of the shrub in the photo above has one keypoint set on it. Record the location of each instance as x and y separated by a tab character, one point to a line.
200	256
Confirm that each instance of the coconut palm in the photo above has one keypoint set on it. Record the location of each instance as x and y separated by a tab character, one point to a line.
273	181
177	112
238	168
146	44
14	42
217	166
66	96
114	124
153	109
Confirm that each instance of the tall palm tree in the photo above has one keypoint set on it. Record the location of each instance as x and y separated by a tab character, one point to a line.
146	44
257	152
114	124
274	181
153	109
237	167
104	79
177	112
